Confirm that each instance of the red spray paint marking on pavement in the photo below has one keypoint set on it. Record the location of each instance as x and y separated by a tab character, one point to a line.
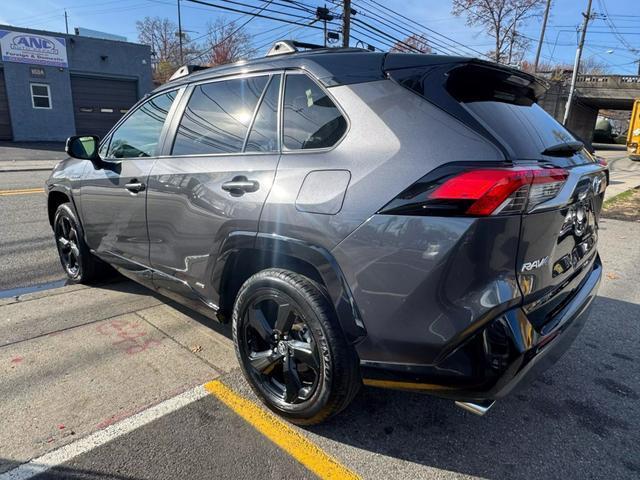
17	359
127	336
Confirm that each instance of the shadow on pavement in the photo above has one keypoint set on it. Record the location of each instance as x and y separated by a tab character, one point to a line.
122	284
580	419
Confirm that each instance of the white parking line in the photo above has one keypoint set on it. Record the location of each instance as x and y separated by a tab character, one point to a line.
95	440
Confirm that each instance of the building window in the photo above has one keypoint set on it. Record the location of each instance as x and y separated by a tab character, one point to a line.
40	95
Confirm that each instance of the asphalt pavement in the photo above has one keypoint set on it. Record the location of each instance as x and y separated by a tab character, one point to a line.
107	382
28	253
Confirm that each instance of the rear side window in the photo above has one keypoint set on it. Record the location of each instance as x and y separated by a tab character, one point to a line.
139	134
311	119
218	116
264	132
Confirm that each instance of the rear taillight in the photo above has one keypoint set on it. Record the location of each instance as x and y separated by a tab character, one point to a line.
468	191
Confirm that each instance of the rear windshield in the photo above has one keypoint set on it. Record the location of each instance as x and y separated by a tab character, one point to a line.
497	101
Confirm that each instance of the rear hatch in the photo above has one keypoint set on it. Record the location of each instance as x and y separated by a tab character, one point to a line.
560	198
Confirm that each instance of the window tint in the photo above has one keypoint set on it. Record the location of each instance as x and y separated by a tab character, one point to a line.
217	116
311	119
139	134
102	151
264	133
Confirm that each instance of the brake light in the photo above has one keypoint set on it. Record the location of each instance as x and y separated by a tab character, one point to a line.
470	191
506	190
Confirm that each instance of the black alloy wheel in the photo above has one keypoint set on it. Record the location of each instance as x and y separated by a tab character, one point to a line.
80	265
66	235
291	348
280	349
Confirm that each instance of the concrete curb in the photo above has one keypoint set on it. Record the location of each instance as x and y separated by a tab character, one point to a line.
13	170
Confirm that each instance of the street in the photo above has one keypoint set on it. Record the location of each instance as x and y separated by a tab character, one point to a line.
115	364
28	256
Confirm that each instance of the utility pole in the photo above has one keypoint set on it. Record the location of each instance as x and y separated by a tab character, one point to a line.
544	27
576	65
513	39
180	34
324	32
346	23
66	21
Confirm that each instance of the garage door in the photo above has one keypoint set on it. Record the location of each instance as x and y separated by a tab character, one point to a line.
98	103
5	120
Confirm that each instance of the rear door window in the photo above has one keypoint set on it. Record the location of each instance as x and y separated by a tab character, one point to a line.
218	115
311	119
264	132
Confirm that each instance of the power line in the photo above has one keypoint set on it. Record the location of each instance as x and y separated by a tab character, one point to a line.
425	27
403	30
259	15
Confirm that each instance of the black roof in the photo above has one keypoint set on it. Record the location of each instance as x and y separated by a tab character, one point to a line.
331	66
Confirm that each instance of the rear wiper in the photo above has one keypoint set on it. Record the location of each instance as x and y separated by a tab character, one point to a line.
564	149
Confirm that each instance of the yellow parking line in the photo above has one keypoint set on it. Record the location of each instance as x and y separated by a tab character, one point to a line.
23	191
295	444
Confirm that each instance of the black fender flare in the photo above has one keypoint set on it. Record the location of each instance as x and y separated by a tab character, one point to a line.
270	250
65	190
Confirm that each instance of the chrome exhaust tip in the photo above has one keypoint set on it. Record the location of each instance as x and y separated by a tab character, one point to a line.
479	408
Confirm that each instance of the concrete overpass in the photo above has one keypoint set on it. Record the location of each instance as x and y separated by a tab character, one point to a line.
593	92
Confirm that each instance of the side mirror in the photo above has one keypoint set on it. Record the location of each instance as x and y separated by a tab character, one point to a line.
83	147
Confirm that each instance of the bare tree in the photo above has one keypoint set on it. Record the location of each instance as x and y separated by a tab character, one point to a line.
412	44
225	43
500	19
562	71
161	35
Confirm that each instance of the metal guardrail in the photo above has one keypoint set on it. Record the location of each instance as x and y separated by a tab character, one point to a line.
611	80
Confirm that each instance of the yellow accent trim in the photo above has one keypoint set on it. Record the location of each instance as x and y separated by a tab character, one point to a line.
22	191
284	436
372	382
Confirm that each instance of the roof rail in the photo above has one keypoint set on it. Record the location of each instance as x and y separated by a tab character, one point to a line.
282	47
185	70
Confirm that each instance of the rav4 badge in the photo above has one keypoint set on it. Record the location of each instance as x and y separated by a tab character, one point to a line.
528	266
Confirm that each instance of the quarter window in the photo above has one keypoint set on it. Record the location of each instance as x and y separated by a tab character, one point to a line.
264	133
311	119
139	134
218	116
40	95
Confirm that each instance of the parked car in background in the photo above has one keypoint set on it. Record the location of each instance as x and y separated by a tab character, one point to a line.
603	133
404	221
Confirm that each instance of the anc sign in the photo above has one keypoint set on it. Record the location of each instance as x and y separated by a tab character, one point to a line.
34	49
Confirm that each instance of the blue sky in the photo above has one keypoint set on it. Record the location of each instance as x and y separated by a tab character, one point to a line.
619	50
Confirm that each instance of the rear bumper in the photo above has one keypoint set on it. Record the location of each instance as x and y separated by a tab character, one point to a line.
505	354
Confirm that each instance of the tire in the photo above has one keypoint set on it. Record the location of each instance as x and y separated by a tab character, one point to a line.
79	264
284	328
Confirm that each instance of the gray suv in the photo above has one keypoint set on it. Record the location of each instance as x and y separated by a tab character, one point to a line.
406	221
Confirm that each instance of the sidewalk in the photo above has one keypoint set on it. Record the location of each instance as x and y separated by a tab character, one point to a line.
624	173
76	359
30	156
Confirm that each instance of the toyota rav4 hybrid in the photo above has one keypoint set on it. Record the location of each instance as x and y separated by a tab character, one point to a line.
406	221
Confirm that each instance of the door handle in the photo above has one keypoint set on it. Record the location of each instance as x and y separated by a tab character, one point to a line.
240	185
134	186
